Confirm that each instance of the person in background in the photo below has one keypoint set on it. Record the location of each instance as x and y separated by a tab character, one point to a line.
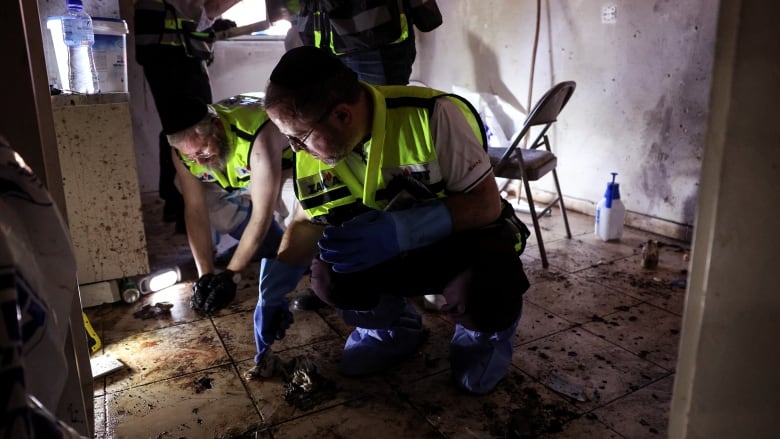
231	162
381	52
373	38
398	198
173	45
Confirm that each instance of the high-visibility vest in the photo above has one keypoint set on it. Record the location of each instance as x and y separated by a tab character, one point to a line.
242	118
400	145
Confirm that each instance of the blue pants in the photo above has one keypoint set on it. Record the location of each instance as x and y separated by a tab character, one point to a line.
391	65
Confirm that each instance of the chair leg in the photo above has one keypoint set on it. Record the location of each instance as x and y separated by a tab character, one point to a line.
560	201
535	220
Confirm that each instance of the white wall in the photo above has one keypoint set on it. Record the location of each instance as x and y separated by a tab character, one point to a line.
640	108
243	65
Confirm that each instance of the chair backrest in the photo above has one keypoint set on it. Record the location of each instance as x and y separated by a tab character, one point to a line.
549	106
544	112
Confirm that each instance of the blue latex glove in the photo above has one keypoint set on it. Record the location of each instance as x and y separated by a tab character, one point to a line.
272	315
377	236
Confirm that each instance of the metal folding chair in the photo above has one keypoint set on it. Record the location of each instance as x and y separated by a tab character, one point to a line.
533	162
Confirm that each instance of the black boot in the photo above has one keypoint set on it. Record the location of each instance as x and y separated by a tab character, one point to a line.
306	300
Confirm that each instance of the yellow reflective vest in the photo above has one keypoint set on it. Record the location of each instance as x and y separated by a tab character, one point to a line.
242	118
400	145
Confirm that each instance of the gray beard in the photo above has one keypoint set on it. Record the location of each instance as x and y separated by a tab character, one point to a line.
220	163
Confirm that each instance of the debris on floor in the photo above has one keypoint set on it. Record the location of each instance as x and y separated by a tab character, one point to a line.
203	383
104	365
532	416
565	387
650	255
159	309
304	386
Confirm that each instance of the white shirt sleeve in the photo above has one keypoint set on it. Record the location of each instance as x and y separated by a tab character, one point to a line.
462	157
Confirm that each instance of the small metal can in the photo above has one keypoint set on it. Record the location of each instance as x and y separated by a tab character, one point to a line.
129	290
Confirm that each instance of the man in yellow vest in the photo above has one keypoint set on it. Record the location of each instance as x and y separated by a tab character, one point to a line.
374	38
231	162
173	44
398	198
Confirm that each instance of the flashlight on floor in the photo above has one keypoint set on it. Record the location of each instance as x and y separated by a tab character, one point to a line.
159	280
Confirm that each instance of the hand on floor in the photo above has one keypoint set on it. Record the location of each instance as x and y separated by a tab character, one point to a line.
213	292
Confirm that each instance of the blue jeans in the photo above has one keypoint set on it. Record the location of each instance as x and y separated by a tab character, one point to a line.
391	65
272	238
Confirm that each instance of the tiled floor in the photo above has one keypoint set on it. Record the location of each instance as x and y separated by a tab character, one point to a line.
594	357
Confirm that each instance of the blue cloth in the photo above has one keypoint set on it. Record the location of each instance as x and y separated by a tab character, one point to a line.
272	316
479	360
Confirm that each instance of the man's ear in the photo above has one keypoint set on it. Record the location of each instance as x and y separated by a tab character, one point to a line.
343	114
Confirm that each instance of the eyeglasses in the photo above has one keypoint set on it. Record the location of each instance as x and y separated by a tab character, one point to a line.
204	141
300	144
202	155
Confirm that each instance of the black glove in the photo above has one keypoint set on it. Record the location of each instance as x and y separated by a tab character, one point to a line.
200	291
223	290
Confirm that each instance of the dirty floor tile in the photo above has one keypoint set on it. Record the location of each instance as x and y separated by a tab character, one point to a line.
593	356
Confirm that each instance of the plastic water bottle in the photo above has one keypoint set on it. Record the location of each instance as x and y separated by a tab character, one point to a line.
610	213
79	37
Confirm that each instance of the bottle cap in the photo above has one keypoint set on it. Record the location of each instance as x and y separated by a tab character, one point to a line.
130	295
129	290
74	4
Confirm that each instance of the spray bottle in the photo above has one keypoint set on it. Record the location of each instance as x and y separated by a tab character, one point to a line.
610	213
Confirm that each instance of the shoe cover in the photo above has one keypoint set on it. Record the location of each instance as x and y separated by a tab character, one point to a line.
377	345
382	316
480	360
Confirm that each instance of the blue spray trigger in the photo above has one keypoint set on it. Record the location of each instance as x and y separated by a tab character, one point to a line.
613	191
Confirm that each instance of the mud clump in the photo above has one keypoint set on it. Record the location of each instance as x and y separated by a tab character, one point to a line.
159	309
305	388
